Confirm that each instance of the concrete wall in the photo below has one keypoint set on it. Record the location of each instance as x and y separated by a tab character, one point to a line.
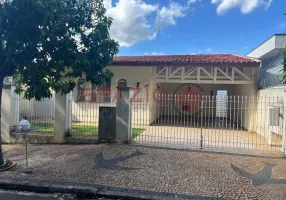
205	89
269	98
37	109
87	112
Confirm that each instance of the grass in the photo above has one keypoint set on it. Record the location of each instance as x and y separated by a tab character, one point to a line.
136	132
80	130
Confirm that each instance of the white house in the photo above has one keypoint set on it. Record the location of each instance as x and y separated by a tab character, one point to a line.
174	75
184	98
269	52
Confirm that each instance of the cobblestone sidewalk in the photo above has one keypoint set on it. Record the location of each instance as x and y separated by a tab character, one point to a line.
170	173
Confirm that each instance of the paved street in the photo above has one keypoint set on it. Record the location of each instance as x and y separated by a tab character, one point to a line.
12	195
154	171
8	195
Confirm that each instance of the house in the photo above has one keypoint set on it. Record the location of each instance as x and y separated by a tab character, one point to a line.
269	52
213	100
206	73
175	75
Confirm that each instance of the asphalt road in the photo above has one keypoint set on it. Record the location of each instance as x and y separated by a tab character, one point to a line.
7	195
11	195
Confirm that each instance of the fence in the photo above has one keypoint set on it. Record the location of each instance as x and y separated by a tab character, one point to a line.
85	113
192	121
40	114
221	122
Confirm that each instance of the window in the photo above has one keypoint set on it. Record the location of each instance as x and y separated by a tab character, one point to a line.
102	93
221	104
80	89
95	93
122	83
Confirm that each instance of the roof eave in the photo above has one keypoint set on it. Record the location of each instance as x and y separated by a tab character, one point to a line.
253	64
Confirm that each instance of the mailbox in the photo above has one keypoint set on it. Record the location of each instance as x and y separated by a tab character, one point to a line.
107	124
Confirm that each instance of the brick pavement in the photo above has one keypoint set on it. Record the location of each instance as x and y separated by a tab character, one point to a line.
168	172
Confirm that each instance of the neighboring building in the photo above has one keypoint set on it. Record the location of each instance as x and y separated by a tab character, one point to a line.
269	52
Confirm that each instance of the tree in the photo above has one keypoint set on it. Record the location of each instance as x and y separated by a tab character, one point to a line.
47	44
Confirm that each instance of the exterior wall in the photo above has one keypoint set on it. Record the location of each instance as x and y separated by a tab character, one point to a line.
234	92
264	48
269	98
37	109
244	96
87	112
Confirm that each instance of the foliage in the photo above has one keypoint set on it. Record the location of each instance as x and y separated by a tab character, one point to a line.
283	74
47	44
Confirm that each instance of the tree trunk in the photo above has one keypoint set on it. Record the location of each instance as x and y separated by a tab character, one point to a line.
1	153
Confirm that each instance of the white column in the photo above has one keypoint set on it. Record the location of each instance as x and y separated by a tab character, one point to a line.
123	116
283	149
60	118
68	127
9	111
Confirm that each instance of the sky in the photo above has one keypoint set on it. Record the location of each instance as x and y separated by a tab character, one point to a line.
169	27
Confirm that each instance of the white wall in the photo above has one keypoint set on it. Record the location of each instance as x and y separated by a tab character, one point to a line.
266	99
87	112
37	109
235	92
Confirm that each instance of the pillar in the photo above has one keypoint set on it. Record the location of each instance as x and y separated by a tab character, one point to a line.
283	149
9	111
123	116
60	128
69	100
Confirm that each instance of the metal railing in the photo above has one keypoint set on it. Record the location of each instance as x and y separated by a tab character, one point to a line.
207	122
85	112
40	114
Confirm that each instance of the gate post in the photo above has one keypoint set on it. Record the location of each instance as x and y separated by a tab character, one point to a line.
9	110
202	137
69	99
283	150
60	128
123	115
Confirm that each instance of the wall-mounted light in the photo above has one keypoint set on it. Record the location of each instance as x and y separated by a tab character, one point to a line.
137	85
211	93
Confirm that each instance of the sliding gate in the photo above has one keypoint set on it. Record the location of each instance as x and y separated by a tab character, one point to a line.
222	122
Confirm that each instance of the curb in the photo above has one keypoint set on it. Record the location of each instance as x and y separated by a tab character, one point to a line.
80	191
32	187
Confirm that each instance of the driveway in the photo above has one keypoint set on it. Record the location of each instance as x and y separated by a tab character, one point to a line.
220	139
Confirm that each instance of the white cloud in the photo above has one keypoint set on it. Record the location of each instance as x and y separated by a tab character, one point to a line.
169	14
281	25
202	51
210	49
245	6
154	54
130	24
107	3
192	1
134	20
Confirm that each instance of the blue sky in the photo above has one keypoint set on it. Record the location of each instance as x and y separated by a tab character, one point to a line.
194	26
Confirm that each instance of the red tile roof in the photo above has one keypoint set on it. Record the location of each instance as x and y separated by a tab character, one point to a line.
191	60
